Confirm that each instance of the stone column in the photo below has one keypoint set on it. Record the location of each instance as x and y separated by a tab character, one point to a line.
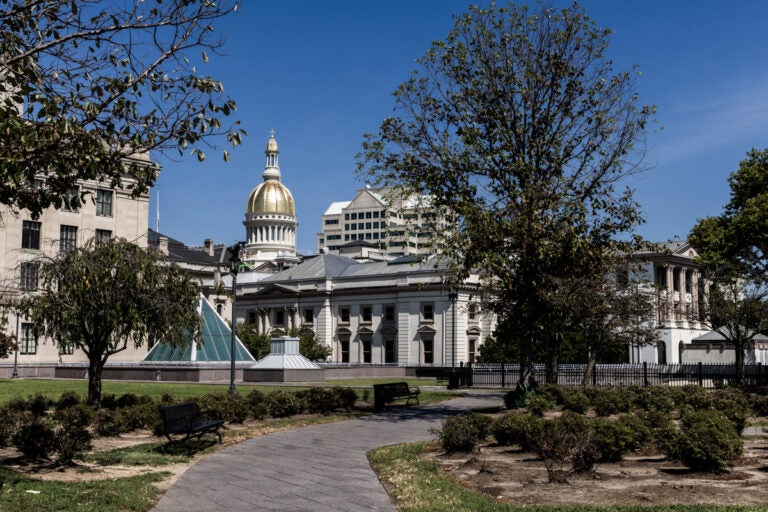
683	303
670	294
695	296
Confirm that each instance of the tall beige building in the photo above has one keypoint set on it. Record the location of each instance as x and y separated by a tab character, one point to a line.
383	217
105	213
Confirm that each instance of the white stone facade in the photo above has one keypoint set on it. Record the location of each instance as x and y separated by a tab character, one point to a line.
397	312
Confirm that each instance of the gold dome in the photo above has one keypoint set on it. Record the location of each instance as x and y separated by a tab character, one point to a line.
271	197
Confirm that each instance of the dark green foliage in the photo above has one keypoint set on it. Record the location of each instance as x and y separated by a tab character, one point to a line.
109	401
281	404
18	405
611	401
108	423
9	418
461	433
76	416
539	404
257	404
141	415
230	407
707	441
552	392
518	397
758	404
67	399
651	398
38	404
613	439
575	400
320	400
637	424
35	440
347	397
516	428
71	442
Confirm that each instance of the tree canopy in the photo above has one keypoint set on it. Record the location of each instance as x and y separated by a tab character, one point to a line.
518	127
733	253
105	296
88	88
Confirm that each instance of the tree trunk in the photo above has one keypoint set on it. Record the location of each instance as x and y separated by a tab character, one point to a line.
553	358
527	375
591	363
95	366
738	346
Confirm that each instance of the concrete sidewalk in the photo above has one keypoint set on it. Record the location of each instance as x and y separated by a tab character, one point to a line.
317	468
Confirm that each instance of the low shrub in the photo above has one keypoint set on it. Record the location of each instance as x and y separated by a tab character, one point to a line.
611	401
35	440
347	397
516	428
67	399
76	416
108	423
9	418
139	416
706	441
575	400
320	400
257	404
281	404
539	404
230	407
613	439
461	433
38	404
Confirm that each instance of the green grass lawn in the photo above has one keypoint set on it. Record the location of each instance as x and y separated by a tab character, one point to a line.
53	388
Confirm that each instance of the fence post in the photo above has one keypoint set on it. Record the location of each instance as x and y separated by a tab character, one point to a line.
594	375
645	373
503	384
701	374
759	380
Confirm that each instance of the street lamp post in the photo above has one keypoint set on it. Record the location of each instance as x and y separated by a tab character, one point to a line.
234	263
16	352
453	296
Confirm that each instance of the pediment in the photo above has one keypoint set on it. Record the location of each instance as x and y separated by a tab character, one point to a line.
274	290
365	331
474	331
425	329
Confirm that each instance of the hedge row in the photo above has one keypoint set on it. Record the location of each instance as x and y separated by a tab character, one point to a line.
39	427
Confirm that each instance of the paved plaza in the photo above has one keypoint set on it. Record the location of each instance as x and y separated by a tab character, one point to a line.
316	468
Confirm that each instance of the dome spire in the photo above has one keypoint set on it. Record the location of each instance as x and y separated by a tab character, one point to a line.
271	169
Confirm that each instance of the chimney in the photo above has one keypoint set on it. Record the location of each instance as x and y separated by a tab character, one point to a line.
162	245
208	244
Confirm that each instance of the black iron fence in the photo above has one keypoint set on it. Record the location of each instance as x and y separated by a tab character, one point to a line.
613	375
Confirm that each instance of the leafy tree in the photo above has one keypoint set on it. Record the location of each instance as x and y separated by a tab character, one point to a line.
104	296
732	250
257	344
7	341
87	88
309	345
517	127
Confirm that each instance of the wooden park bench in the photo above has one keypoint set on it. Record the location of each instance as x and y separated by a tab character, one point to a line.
388	393
184	421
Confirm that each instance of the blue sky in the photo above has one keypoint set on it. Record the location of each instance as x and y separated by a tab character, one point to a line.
321	75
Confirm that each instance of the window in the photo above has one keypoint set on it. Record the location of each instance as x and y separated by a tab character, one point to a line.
376	236
28	276
367	225
353	237
472	350
376	215
346	238
389	349
279	317
428	345
354	216
389	313
70	201
367	215
67	238
427	312
344	314
219	309
252	316
68	349
30	235
472	311
309	316
346	216
368	236
104	203
366	313
375	225
28	342
102	235
346	227
366	349
331	221
344	350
